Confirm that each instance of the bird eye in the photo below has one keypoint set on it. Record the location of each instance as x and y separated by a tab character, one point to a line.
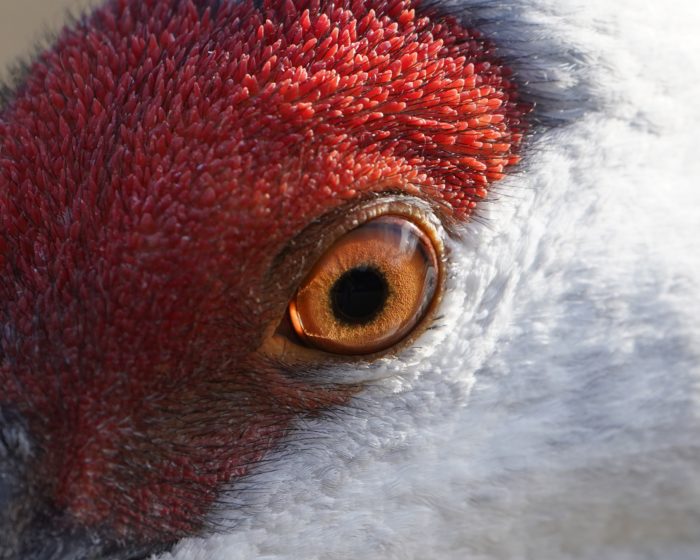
369	290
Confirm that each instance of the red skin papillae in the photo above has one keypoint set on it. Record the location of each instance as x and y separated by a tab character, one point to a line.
152	164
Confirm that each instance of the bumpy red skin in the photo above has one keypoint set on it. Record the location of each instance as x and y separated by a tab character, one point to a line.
152	164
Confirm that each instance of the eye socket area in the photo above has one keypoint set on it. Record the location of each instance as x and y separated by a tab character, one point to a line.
369	290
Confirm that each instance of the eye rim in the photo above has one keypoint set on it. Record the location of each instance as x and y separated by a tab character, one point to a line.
280	343
409	280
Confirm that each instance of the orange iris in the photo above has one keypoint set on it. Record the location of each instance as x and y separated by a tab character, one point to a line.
369	290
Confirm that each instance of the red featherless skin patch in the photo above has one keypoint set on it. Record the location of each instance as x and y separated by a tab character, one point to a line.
152	164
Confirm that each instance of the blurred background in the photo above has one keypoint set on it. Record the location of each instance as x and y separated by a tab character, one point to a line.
25	23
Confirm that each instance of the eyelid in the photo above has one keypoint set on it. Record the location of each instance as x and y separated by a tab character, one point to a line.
393	266
294	263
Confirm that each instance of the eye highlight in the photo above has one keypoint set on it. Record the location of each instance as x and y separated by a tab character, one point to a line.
369	289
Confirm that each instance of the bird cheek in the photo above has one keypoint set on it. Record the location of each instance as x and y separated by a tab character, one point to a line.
159	471
294	388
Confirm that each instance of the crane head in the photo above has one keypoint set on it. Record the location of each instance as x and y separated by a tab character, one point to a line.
170	173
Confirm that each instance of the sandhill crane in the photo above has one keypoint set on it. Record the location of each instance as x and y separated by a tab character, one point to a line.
352	279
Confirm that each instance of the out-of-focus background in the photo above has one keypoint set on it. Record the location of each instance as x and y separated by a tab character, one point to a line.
25	23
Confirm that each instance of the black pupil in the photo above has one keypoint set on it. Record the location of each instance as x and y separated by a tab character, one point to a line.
359	295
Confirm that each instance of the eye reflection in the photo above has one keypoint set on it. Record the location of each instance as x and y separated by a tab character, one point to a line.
369	290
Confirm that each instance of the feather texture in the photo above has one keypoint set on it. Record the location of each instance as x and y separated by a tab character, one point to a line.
552	411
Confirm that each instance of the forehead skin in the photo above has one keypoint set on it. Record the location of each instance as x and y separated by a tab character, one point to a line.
152	165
